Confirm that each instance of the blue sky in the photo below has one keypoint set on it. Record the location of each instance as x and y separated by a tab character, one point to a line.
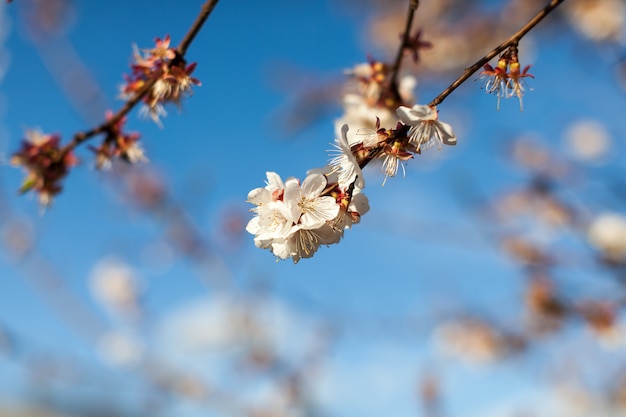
419	253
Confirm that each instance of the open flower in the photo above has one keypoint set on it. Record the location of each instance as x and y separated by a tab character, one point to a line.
516	85
293	220
394	155
306	205
506	80
496	80
344	162
426	130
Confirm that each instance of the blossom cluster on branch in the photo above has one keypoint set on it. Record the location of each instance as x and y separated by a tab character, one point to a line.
158	76
293	220
380	122
165	71
506	80
400	131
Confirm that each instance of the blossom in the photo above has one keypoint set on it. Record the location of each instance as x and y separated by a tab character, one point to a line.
345	162
371	76
165	71
46	164
118	144
116	285
270	222
607	233
496	80
360	115
352	208
598	20
292	219
306	205
516	84
506	80
394	154
588	140
426	129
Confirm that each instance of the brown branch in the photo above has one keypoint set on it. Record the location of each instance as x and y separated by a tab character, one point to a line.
108	125
498	49
206	10
378	150
395	69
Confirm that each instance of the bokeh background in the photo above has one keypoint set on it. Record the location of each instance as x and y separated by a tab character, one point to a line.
487	282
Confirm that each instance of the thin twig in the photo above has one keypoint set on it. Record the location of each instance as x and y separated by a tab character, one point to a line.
206	10
395	69
377	151
108	125
504	45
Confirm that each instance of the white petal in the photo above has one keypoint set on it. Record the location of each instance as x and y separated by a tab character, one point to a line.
359	203
324	208
447	135
253	226
415	115
283	248
328	235
292	198
313	185
344	134
259	196
368	137
274	182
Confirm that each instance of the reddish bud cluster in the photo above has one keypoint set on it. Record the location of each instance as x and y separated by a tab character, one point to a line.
117	144
46	164
165	71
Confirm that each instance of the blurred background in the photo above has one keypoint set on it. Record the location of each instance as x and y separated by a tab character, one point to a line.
487	282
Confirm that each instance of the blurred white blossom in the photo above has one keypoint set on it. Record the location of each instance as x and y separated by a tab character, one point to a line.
607	232
115	285
588	140
120	349
599	20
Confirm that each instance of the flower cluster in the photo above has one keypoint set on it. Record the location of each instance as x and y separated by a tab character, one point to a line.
46	164
293	219
370	96
506	79
118	144
164	71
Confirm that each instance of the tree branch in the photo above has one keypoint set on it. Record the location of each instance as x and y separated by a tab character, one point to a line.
395	69
106	126
497	50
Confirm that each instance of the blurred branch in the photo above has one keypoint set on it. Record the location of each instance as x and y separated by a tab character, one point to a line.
109	125
395	69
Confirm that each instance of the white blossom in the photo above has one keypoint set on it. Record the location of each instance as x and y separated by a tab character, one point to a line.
270	222
360	115
607	233
305	205
426	129
295	220
116	285
345	163
588	140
